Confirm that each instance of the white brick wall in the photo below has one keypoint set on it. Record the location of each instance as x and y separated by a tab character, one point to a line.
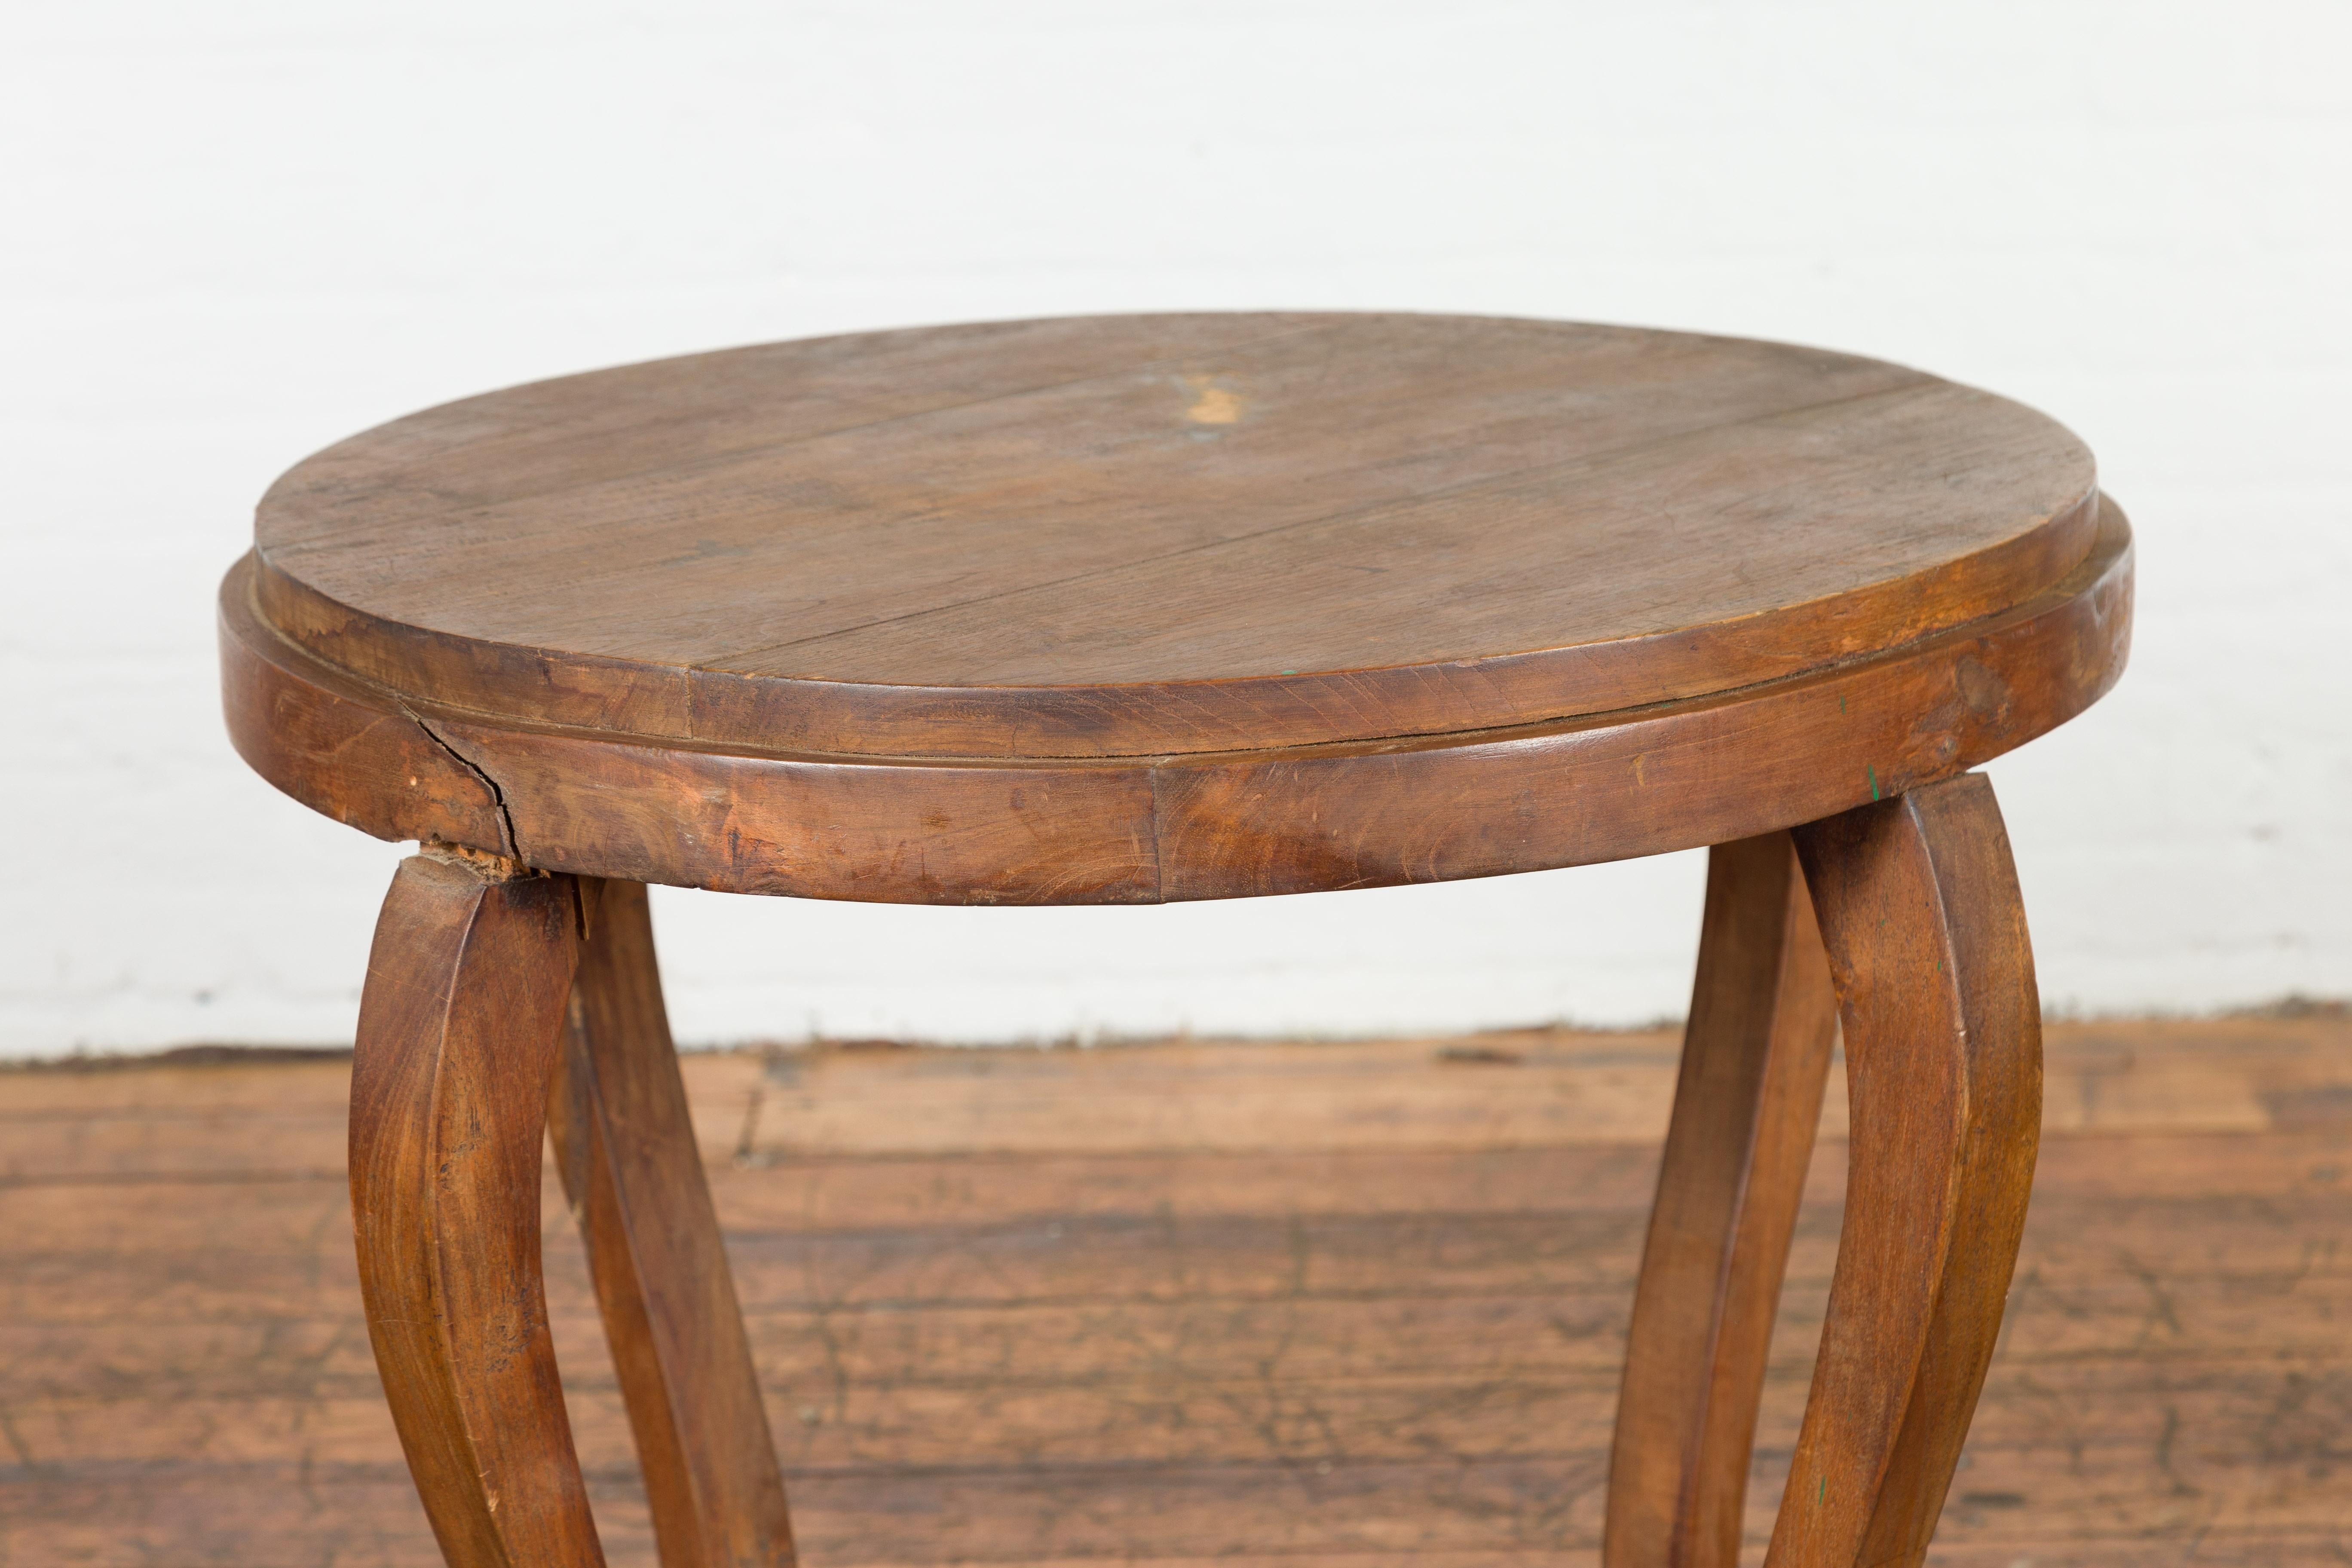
237	231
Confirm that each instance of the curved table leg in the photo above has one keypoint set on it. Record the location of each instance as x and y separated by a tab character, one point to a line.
460	1028
625	1147
1755	1053
1919	910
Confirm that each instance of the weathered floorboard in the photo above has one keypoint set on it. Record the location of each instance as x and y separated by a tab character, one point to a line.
1144	1339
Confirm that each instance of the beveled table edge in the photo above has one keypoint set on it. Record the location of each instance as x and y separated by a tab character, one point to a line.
1423	808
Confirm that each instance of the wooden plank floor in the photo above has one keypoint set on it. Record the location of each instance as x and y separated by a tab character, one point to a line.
1305	1304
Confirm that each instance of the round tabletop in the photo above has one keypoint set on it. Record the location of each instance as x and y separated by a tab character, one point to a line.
1156	538
1131	536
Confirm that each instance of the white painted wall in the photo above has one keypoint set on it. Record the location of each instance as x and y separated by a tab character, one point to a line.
237	231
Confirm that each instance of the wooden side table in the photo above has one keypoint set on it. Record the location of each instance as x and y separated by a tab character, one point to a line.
1131	609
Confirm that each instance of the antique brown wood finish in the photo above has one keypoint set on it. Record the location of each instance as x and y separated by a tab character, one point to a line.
460	1026
1138	537
1139	609
625	1147
1755	1053
1926	933
1036	831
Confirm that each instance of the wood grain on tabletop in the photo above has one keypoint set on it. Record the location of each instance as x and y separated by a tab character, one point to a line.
1133	536
1144	1339
1210	605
